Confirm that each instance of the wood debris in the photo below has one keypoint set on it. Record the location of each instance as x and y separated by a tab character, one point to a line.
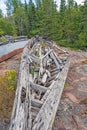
41	80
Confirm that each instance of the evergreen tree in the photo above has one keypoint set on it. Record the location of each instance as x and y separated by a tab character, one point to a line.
68	26
38	3
49	19
1	14
83	25
21	20
31	18
62	6
12	5
70	3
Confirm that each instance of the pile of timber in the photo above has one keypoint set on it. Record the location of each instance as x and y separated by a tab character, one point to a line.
42	74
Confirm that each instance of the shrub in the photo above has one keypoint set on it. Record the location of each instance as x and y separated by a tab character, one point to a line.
8	80
7	93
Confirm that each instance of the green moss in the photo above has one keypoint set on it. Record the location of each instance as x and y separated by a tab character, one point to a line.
37	54
32	71
84	62
43	44
66	85
84	101
85	112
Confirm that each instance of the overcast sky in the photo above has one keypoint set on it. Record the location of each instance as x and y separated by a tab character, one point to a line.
3	6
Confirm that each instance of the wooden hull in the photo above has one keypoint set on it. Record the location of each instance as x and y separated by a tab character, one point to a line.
41	81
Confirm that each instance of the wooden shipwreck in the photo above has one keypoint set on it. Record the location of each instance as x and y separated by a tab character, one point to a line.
42	74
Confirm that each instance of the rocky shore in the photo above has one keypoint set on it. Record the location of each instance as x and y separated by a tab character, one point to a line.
72	113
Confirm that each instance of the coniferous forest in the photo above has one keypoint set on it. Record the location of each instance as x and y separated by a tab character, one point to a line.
66	25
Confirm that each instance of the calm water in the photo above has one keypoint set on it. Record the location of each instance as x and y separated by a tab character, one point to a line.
4	49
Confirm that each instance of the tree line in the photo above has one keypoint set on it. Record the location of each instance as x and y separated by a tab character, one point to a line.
66	25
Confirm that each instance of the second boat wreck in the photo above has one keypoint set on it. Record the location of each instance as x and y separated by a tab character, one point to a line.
42	74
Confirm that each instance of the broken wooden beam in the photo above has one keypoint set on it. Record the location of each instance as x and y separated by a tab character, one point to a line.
36	103
55	60
38	87
47	53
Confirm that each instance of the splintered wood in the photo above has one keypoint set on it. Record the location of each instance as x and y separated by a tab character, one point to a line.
42	74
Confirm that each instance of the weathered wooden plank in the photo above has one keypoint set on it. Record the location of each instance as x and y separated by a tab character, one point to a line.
55	60
34	109
35	59
47	53
48	91
36	103
62	50
34	112
55	73
29	58
45	117
38	87
51	78
53	70
21	116
44	78
41	63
